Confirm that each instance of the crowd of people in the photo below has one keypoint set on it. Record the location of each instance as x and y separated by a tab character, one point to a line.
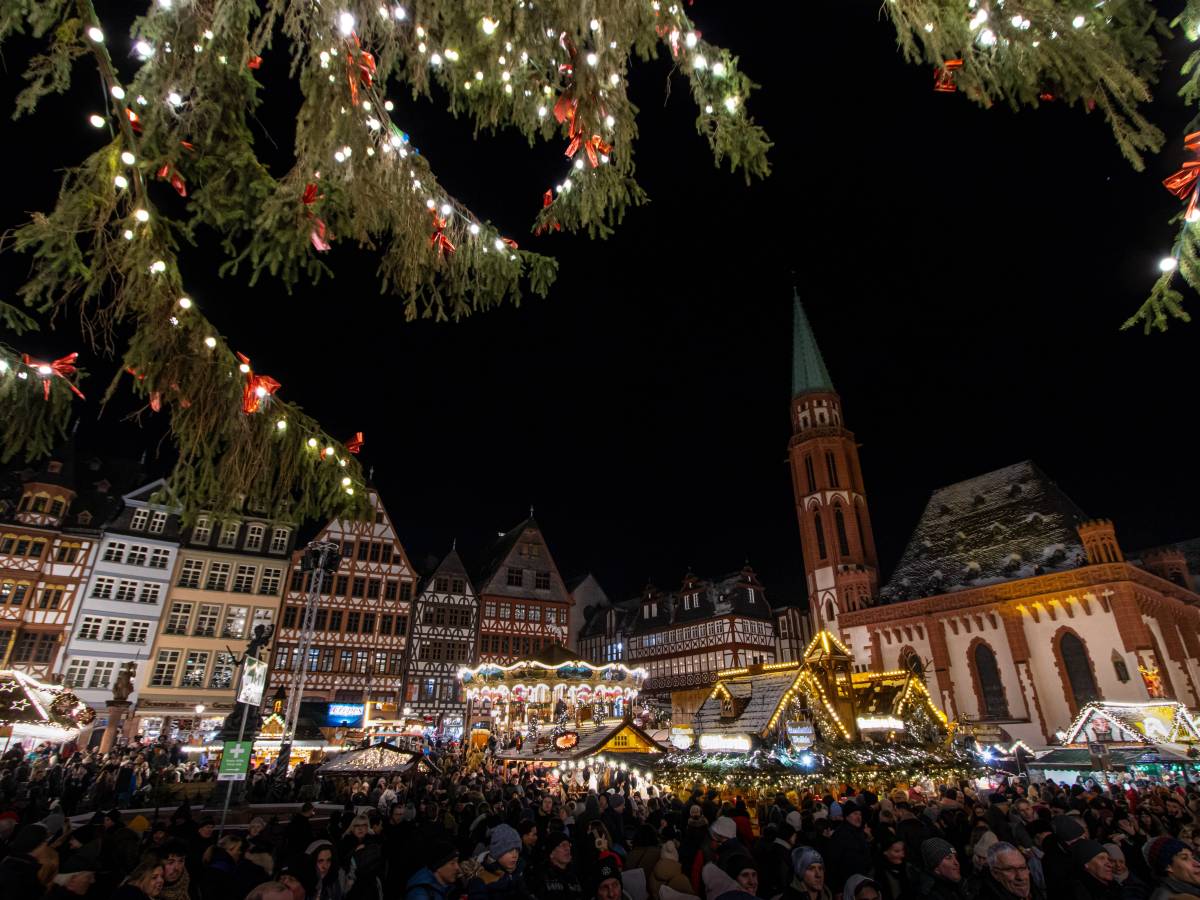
514	832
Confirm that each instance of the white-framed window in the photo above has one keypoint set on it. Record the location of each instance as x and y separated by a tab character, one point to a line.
159	558
235	621
114	551
268	585
137	555
254	536
218	577
139	519
158	522
202	530
126	590
102	674
263	615
77	673
150	592
229	533
89	628
178	618
137	633
114	630
190	572
103	587
279	540
194	667
243	581
164	668
222	672
206	620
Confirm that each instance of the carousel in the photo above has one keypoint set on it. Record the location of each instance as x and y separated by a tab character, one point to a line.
560	709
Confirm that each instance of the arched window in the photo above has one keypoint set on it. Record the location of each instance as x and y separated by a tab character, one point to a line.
859	512
1079	669
831	466
830	611
839	522
811	475
991	688
822	550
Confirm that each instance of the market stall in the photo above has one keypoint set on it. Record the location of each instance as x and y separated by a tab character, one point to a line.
32	711
379	760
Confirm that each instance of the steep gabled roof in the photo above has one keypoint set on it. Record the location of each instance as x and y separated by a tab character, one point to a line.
1008	524
809	374
505	553
726	595
451	566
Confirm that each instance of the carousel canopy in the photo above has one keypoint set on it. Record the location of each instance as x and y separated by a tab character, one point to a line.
382	759
26	701
553	665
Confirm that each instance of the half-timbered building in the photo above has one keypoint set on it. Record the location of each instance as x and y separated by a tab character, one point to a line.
48	540
443	637
359	641
118	616
526	605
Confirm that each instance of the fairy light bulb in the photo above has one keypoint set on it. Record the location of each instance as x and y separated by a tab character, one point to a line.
141	215
158	266
174	99
718	69
127	234
731	103
445	209
691	39
342	463
143	49
312	442
210	342
489	25
185	302
260	391
614	79
1078	21
96	35
699	62
1193	215
592	59
400	13
609	121
244	368
128	158
346	481
346	24
329	451
1168	264
97	121
281	425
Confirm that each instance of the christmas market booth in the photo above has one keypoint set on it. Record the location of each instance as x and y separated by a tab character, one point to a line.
375	761
1155	739
33	711
776	726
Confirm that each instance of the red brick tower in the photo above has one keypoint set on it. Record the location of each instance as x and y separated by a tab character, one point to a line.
831	503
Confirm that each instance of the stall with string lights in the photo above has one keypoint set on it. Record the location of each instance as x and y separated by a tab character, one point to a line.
781	725
35	711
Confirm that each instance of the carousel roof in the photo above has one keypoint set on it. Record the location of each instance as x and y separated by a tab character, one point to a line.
26	701
556	662
381	759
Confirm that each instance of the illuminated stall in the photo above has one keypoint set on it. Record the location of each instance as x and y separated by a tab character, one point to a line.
32	711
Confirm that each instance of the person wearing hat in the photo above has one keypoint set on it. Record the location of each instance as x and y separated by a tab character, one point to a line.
19	869
293	876
808	876
556	877
742	868
942	873
860	887
668	872
849	848
608	882
496	878
327	878
1176	868
1093	876
722	840
1057	865
434	880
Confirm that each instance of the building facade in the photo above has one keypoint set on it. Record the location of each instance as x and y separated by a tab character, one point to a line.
526	607
443	636
1016	607
360	635
126	591
228	579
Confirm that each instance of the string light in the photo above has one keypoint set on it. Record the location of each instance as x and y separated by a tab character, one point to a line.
488	25
96	35
210	342
97	121
185	302
143	49
346	24
1168	264
128	158
141	215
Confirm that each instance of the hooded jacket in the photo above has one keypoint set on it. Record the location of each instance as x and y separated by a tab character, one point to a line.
425	886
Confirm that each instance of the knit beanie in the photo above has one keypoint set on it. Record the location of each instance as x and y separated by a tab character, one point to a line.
441	853
803	857
1066	828
736	863
1083	852
1160	851
835	810
724	827
503	839
933	851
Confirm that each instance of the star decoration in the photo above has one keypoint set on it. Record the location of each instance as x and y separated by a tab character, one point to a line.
20	704
10	685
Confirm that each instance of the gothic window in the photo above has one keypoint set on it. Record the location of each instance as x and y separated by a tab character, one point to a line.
822	550
858	521
839	521
810	474
995	704
1078	668
1119	667
831	467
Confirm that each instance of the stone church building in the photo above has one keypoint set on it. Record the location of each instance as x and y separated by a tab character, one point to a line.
1017	606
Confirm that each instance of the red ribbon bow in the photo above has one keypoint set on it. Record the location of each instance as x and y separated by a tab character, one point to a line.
355	443
63	367
317	235
359	71
1185	180
254	62
440	242
257	389
944	78
170	172
593	145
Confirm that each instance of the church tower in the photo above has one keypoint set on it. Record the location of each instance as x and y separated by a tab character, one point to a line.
835	529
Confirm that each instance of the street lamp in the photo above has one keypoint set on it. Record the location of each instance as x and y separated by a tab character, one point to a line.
199	709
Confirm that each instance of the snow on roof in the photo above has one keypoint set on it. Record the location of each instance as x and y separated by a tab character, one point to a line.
1008	524
758	696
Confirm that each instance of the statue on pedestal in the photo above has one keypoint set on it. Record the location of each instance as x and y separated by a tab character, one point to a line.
123	686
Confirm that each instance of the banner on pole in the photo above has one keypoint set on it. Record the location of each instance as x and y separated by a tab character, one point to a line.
235	760
254	682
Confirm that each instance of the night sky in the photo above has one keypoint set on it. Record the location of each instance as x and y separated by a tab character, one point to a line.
966	272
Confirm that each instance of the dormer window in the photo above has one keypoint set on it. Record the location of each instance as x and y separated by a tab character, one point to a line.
40	502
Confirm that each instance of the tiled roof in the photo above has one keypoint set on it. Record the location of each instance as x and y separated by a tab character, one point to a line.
1008	524
758	696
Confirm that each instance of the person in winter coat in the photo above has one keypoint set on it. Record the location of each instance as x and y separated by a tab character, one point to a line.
808	876
176	881
119	846
860	887
327	879
496	878
645	851
741	818
742	868
942	875
720	885
556	878
19	869
220	878
668	872
438	877
774	855
144	882
849	849
1176	867
1057	865
1093	879
722	841
1132	887
1005	875
893	873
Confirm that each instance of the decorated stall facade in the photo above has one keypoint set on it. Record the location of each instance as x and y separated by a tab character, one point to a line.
816	720
32	711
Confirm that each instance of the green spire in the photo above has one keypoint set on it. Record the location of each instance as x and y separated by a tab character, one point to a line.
808	368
